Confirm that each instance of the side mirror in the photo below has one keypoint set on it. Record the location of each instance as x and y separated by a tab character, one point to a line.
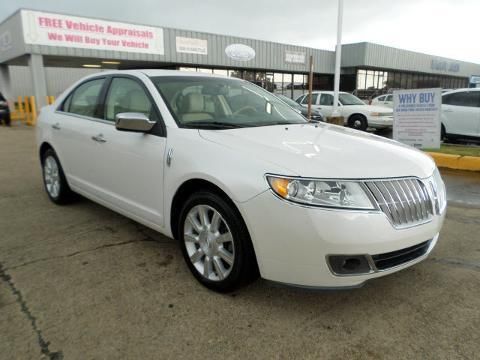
135	122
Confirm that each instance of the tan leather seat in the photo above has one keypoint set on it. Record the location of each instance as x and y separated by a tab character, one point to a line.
193	108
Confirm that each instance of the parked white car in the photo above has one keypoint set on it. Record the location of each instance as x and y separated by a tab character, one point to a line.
357	114
383	100
461	113
243	182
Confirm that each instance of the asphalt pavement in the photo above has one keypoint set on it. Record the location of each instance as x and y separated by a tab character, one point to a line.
82	282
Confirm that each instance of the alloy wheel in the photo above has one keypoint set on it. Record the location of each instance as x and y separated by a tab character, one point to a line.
51	175
209	242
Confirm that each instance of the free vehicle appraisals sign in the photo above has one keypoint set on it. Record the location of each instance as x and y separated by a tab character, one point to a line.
416	117
41	28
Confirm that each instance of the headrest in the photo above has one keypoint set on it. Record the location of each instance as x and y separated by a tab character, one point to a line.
192	103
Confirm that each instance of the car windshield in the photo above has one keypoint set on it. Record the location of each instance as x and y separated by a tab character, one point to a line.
222	103
289	101
349	99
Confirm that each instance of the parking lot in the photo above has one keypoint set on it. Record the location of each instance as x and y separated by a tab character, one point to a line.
82	282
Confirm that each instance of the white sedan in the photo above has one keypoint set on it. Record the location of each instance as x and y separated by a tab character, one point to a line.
245	184
356	113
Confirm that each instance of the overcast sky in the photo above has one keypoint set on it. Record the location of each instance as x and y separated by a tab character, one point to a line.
446	28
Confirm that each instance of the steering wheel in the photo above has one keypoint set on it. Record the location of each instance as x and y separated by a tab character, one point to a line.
246	110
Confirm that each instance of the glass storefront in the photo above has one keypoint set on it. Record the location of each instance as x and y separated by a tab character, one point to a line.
288	84
371	83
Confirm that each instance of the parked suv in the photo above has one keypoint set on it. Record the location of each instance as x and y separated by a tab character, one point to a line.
461	113
357	114
4	111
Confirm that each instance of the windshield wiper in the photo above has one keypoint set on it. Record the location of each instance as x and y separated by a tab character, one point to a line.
211	125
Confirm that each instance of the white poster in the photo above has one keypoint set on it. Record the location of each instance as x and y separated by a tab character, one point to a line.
297	57
416	117
41	28
191	45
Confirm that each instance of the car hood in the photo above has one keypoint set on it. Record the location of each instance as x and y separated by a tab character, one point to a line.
325	151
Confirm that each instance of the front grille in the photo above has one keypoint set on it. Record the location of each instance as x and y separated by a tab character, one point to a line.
391	259
406	202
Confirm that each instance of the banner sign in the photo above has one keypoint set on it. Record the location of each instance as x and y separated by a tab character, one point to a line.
191	45
41	28
296	57
416	117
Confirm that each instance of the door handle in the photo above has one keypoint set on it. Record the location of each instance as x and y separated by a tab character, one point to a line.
56	126
99	138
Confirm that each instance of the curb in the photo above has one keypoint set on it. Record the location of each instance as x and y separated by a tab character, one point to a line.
458	162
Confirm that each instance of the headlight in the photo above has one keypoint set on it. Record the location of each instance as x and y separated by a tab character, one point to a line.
323	193
439	192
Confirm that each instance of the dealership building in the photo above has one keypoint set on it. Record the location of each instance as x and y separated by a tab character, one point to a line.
43	53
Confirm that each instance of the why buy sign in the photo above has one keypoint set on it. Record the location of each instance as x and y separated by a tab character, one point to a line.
40	28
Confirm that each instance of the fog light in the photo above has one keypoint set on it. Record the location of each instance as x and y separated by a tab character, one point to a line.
348	264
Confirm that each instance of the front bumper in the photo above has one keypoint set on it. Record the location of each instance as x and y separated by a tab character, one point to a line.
293	242
380	122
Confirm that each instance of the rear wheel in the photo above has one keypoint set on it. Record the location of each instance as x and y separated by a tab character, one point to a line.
215	243
54	179
358	122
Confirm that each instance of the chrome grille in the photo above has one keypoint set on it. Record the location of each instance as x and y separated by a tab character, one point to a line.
406	202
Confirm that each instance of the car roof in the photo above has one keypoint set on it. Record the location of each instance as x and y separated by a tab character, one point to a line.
460	90
327	92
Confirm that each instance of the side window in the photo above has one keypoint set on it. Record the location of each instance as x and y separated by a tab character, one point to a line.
307	97
127	95
300	99
84	99
381	98
389	98
464	98
326	100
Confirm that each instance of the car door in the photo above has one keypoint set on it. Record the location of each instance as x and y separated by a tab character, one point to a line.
71	125
461	113
130	165
326	104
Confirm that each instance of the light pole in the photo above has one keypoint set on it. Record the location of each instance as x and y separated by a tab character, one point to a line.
338	59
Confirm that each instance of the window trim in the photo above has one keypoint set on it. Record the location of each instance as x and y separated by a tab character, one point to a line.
158	130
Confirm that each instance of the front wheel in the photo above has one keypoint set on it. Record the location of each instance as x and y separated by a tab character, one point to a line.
358	122
215	243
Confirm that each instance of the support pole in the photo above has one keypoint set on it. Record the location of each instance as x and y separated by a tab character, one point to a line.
310	87
338	60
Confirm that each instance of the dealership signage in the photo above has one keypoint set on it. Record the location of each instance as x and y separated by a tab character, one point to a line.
296	57
416	117
41	28
191	45
443	65
475	79
240	52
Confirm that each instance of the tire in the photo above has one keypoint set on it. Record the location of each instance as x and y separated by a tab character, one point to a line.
358	122
54	179
443	134
215	243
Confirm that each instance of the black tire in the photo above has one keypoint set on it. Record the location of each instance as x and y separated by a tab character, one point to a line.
64	195
358	122
244	269
443	134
